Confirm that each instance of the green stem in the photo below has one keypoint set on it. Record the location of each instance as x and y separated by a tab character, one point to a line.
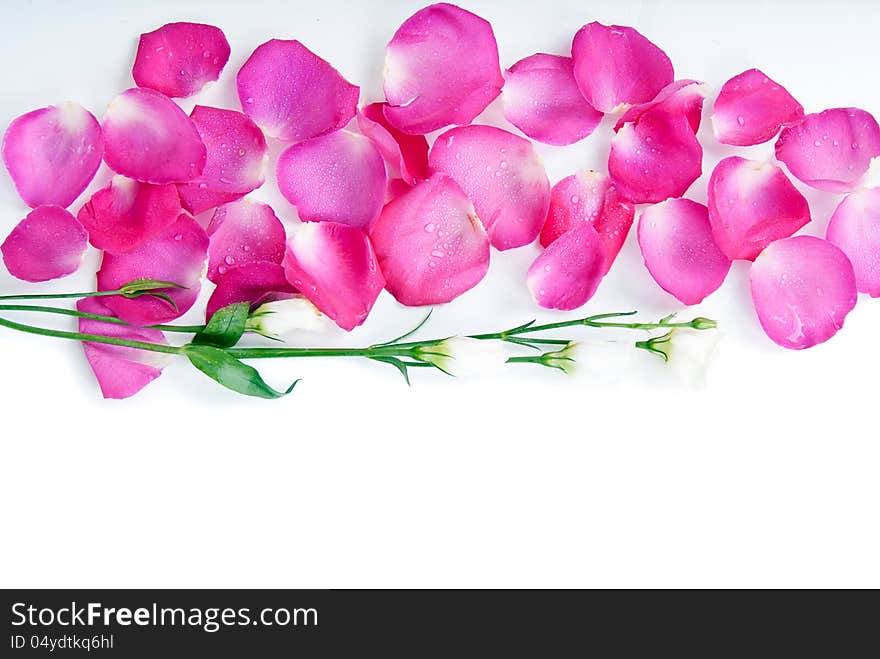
187	329
91	338
61	296
591	321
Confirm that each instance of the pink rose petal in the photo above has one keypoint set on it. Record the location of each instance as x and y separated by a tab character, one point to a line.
255	282
441	68
243	232
855	229
803	288
751	108
52	154
751	204
831	150
121	372
292	94
177	254
47	244
430	244
405	155
195	199
502	175
682	96
127	212
148	137
589	197
334	266
338	177
566	275
679	250
542	99
178	59
616	66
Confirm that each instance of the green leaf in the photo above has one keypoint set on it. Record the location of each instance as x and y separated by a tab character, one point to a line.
139	287
225	327
396	363
233	374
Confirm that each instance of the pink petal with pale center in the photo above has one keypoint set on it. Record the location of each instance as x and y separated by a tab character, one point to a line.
334	266
178	59
831	150
616	66
430	244
803	288
405	155
292	94
679	250
127	212
148	137
52	154
502	175
121	372
682	96
566	275
855	228
338	177
751	108
254	283
47	244
177	254
441	68
751	204
243	232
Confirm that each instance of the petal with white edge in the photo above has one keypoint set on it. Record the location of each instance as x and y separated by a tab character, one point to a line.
569	271
855	229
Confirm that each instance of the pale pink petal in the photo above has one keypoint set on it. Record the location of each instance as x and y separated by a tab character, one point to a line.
334	266
855	228
589	197
121	372
338	177
178	59
542	99
616	66
430	244
679	250
751	108
502	175
831	150
196	199
566	275
803	288
682	96
47	244
441	68
243	232
52	154
177	254
255	282
127	212
751	204
292	94
406	155
148	137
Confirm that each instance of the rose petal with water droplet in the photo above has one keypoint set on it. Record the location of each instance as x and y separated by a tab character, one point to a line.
52	153
803	288
855	229
255	282
566	275
47	244
405	155
243	232
682	96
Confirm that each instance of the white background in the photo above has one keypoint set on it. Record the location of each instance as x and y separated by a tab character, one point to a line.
767	477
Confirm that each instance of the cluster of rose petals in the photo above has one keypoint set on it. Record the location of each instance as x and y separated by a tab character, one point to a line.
405	155
254	282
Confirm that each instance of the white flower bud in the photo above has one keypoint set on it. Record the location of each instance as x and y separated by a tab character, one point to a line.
465	357
280	318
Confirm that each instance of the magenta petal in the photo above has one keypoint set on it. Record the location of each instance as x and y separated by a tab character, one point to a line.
338	177
682	96
406	155
52	154
679	250
751	108
430	244
831	150
334	266
616	65
803	288
47	244
292	94
542	99
177	254
566	275
502	175
751	204
441	68
148	137
126	213
195	199
589	197
243	232
254	283
855	228
178	59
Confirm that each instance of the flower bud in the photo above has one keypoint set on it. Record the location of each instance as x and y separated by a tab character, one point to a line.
278	318
463	357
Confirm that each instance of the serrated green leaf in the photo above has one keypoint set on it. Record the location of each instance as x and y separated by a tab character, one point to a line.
225	327
233	374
